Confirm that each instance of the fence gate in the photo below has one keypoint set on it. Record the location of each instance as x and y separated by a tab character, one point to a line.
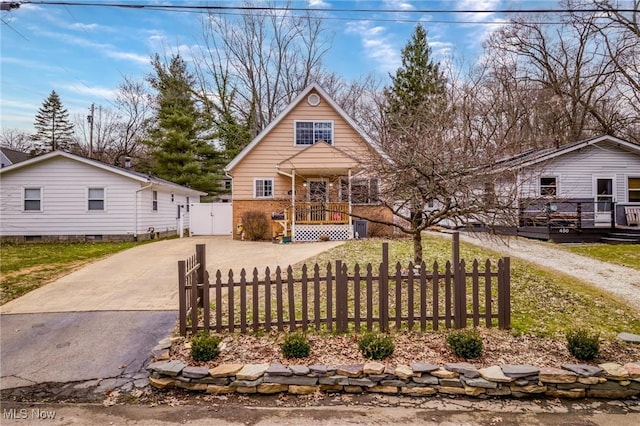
211	219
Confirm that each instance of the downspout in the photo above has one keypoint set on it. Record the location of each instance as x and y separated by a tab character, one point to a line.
135	223
351	232
292	176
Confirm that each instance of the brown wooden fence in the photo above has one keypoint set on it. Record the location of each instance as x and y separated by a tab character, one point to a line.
335	299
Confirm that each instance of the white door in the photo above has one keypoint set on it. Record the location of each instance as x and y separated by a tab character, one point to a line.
211	218
603	201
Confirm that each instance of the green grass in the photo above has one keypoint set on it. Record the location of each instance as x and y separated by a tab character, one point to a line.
26	267
544	302
620	254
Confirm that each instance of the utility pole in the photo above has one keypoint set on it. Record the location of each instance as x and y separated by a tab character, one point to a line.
90	120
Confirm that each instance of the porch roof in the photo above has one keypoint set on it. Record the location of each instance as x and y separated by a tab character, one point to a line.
319	159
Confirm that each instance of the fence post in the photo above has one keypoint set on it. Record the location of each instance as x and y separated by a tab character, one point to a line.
504	293
201	259
182	296
460	297
341	298
383	284
206	302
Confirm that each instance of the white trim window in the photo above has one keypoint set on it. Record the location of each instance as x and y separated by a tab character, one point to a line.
96	199
154	201
32	199
263	188
363	191
633	189
310	132
548	186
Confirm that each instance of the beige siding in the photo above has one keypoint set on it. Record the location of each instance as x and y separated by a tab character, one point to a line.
278	145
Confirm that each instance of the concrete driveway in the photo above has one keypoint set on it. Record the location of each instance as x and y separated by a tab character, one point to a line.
145	278
92	331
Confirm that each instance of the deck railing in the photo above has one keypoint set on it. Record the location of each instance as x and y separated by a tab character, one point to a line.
318	213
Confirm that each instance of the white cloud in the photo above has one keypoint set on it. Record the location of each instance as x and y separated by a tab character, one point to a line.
377	44
477	5
318	3
89	27
399	4
127	56
95	91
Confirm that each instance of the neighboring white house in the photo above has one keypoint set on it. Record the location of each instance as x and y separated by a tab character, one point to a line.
11	156
61	196
592	183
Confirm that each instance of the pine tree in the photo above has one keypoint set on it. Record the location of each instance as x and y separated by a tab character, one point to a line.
181	140
418	85
54	131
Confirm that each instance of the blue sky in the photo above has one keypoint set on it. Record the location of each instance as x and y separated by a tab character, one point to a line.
82	52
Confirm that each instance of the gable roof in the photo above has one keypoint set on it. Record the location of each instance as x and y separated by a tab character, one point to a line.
14	156
287	110
533	157
307	160
131	174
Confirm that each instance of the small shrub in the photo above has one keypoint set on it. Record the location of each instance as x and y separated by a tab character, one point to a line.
204	347
255	225
376	346
295	345
583	345
465	343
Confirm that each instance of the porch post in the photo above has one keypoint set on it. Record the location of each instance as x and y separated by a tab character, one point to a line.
293	205
350	207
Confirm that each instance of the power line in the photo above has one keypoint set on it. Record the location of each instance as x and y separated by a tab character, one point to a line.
209	8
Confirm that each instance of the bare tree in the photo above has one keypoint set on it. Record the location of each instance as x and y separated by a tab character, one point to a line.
136	109
256	63
106	125
16	139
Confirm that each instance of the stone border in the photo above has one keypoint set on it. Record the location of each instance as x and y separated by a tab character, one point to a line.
608	380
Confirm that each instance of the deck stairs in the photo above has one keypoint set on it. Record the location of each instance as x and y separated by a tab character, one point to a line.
622	236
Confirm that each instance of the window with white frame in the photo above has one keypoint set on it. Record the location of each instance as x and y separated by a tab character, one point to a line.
548	186
363	191
263	188
33	199
154	201
310	132
96	199
633	188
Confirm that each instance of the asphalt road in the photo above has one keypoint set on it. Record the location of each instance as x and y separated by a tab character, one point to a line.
96	327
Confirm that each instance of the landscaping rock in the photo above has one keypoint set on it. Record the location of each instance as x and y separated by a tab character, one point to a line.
591	380
247	383
225	370
465	368
519	371
557	375
373	367
480	383
529	389
195	372
292	380
404	371
451	390
361	382
494	374
451	383
334	380
302	390
162	383
499	391
473	391
583	370
444	374
629	337
218	390
299	370
170	368
570	393
614	371
164	344
422	367
394	383
418	391
611	394
192	386
332	388
251	371
633	369
247	389
271	388
160	354
322	370
383	389
353	389
354	370
278	370
426	380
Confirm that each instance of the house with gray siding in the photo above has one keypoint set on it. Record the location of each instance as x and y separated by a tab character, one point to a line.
62	196
578	190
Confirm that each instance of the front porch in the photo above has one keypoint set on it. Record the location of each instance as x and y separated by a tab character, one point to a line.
313	221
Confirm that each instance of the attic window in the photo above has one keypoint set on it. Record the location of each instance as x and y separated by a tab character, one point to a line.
548	186
313	99
310	132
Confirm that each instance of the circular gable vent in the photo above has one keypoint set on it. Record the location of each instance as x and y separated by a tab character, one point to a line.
313	99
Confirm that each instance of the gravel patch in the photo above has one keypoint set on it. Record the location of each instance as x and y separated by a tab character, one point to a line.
619	280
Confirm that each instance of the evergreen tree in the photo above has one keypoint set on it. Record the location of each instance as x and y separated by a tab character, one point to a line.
180	140
54	131
418	85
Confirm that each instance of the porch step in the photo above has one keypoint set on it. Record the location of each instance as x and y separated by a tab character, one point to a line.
621	238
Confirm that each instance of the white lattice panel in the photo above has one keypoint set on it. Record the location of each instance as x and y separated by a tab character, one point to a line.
313	232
